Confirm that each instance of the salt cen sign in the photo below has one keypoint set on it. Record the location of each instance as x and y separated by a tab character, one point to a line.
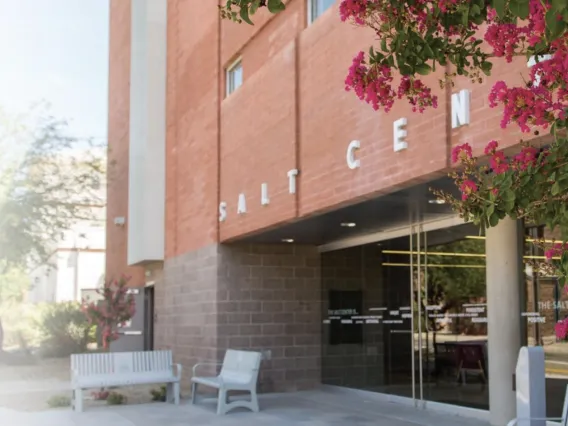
264	198
460	115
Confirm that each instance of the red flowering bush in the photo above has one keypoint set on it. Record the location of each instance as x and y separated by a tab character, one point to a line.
113	311
416	36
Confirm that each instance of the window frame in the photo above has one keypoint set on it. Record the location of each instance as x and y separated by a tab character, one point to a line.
312	11
229	72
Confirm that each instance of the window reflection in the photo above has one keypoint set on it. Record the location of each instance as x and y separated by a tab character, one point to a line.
546	303
421	329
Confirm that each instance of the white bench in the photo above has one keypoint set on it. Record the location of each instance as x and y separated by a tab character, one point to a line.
90	371
239	372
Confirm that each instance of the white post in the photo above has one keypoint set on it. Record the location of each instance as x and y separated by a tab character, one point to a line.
503	318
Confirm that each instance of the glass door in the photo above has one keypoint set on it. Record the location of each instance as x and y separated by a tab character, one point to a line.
450	333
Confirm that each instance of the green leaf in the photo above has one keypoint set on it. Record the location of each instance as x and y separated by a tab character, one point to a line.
475	9
423	69
508	196
465	17
486	67
520	8
555	190
494	220
559	5
275	6
384	44
507	183
254	7
244	14
553	25
499	6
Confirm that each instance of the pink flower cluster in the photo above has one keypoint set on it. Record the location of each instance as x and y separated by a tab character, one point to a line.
371	84
527	157
419	95
556	250
461	153
353	9
525	106
498	161
467	188
374	85
561	329
545	98
504	39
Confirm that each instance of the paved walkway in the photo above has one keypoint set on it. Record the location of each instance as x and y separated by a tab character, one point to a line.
312	408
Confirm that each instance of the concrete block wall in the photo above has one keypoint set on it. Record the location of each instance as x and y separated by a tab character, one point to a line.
254	297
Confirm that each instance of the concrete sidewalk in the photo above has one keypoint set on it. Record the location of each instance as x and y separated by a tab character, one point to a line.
311	408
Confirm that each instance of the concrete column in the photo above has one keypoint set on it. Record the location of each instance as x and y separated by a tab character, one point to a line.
147	146
503	316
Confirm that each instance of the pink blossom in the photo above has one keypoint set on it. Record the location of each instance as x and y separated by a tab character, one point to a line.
491	147
499	163
461	152
556	250
467	188
561	329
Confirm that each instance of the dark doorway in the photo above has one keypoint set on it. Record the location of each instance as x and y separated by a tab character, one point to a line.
149	318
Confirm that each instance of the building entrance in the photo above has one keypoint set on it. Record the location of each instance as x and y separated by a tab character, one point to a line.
407	316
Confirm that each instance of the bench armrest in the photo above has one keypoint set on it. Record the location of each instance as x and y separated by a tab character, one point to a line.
177	368
199	364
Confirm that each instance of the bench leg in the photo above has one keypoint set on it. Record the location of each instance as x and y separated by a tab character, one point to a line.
254	401
169	392
176	393
78	400
222	402
193	393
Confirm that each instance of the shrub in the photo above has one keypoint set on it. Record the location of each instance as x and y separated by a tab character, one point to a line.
65	330
57	401
115	398
101	395
116	308
159	394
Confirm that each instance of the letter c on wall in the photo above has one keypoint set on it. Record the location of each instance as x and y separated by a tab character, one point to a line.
352	162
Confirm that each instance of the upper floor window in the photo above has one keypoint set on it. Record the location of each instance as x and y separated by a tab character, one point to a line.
234	78
317	8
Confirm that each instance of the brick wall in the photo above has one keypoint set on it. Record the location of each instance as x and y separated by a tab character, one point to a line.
257	297
118	140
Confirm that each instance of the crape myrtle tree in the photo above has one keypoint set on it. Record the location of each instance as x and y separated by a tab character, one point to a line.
416	37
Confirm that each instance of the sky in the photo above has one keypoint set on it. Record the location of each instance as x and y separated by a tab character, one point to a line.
56	51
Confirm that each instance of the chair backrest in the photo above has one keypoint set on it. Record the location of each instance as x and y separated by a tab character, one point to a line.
121	363
471	356
240	366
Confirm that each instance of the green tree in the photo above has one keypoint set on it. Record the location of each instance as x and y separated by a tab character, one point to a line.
49	182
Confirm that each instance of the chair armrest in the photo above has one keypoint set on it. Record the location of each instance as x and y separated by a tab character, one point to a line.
177	368
199	364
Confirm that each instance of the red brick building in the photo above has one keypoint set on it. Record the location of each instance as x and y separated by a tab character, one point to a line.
262	202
